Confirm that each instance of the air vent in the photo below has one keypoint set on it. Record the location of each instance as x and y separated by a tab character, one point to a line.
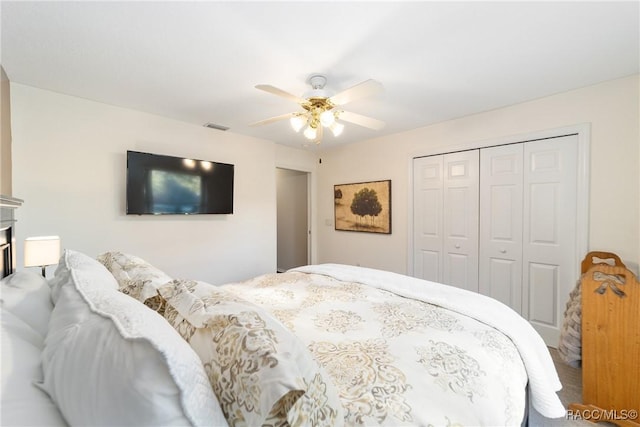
215	126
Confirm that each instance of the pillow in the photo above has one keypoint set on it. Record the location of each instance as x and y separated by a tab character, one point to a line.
136	277
23	404
93	274
26	294
109	360
261	373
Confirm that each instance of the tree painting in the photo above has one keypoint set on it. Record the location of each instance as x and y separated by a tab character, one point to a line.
365	203
363	206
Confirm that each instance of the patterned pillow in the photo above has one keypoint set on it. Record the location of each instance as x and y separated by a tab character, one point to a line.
136	277
260	372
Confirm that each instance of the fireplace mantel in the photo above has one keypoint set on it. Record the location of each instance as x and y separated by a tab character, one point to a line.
8	206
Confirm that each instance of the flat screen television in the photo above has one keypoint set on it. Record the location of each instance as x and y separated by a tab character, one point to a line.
164	185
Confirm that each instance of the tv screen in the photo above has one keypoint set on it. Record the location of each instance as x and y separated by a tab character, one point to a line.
158	185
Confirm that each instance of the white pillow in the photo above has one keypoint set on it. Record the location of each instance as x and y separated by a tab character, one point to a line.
23	404
26	294
93	274
109	360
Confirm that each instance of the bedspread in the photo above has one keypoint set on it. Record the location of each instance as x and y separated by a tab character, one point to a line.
404	356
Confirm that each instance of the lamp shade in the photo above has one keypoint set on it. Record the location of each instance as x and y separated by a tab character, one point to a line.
41	251
297	122
336	128
327	118
310	132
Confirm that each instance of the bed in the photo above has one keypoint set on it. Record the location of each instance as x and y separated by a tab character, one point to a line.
114	340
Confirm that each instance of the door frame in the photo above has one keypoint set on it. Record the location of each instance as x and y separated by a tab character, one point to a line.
583	131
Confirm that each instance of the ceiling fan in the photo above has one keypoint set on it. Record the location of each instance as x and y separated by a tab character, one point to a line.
323	110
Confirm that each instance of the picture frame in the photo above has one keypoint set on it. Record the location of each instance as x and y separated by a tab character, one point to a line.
363	207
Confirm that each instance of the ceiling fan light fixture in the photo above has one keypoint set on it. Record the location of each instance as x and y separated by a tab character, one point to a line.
323	109
310	132
327	118
336	128
297	122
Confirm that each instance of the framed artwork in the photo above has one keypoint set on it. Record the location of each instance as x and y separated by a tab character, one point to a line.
363	206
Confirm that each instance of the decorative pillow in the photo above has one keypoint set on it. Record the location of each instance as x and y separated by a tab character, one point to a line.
261	373
136	277
26	294
108	360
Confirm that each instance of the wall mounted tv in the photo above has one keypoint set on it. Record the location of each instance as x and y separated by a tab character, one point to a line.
161	185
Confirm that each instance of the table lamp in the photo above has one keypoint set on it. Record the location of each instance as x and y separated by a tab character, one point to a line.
41	251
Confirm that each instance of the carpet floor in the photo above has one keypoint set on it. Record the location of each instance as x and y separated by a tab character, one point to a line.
571	379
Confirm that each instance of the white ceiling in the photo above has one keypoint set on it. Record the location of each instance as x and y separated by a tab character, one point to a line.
198	62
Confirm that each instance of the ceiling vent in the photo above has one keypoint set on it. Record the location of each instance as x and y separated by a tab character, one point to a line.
215	126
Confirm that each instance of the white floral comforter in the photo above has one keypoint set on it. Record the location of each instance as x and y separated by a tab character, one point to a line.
397	358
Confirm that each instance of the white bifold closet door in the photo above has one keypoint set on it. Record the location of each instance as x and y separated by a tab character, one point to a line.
428	217
501	207
549	251
501	221
461	188
447	244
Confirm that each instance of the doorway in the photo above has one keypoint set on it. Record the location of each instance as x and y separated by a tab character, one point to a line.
293	232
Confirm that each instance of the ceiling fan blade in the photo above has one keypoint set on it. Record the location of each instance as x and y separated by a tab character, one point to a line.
361	90
274	90
361	120
273	119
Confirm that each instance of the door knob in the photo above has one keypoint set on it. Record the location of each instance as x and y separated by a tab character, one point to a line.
503	251
457	246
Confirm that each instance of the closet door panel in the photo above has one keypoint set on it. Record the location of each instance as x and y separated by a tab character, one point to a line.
550	182
500	265
461	209
545	289
501	279
427	214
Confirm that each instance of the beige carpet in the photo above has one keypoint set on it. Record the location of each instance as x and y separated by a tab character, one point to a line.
571	379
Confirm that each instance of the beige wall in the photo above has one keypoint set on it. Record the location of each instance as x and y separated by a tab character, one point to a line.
69	164
611	109
5	135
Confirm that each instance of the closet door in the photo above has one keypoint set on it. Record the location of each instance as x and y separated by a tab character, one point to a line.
501	178
549	247
461	211
446	219
427	217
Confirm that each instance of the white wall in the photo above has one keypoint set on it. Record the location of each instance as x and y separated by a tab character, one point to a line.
611	108
69	167
69	164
